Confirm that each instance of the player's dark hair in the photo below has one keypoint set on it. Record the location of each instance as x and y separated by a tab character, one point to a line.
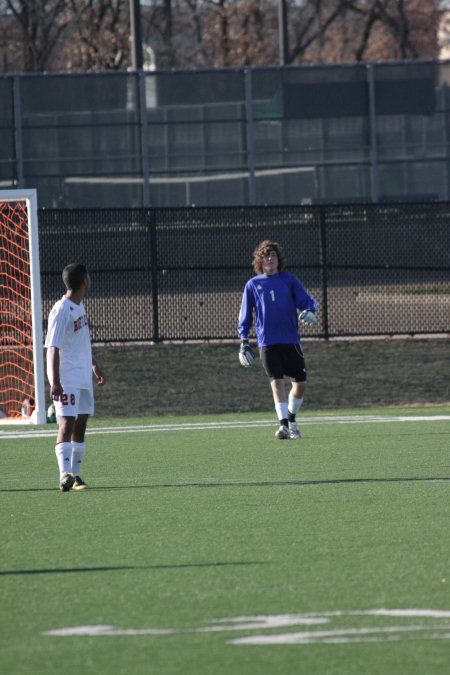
263	248
73	276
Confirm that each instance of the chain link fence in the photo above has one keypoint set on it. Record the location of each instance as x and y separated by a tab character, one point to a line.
224	137
177	274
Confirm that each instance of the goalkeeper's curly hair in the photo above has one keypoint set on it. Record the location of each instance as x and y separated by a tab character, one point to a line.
263	249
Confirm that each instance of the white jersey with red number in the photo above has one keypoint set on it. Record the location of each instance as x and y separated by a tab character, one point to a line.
68	331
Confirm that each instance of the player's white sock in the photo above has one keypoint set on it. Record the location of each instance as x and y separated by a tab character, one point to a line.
63	453
294	403
282	410
78	450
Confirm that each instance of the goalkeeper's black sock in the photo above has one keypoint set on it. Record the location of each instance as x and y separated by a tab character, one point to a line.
291	416
284	422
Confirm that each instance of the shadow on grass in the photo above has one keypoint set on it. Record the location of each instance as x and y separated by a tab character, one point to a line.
247	483
121	568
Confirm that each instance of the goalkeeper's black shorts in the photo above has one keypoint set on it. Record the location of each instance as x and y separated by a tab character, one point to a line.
281	360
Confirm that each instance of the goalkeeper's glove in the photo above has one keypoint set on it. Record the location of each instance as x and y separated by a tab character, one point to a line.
308	317
246	356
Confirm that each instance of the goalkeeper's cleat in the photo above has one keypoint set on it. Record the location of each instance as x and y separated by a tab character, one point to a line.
66	482
294	431
79	484
282	433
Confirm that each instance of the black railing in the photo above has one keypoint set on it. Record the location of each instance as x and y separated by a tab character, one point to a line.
178	274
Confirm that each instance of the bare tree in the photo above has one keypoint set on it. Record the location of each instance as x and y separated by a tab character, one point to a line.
64	34
100	35
247	33
167	29
395	29
224	33
331	31
36	29
95	34
311	24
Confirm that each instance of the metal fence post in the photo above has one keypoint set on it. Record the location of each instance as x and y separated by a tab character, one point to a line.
374	185
144	138
18	137
250	139
324	267
446	140
152	224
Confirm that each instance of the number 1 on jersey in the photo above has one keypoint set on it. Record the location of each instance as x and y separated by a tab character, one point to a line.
272	295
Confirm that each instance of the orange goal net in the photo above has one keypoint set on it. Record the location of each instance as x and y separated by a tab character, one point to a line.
21	348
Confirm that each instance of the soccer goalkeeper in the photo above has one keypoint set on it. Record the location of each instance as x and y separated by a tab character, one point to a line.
278	301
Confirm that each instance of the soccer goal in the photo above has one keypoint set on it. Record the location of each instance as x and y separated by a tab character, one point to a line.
22	392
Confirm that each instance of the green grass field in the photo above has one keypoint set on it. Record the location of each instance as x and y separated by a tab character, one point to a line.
207	547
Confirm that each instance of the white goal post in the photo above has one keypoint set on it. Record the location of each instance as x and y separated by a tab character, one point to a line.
22	389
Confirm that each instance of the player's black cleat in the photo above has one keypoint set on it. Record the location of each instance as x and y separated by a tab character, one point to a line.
66	482
79	484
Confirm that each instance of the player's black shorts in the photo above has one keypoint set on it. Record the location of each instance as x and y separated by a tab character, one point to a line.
280	360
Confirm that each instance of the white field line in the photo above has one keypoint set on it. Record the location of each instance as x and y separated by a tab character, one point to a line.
332	634
344	635
303	637
234	424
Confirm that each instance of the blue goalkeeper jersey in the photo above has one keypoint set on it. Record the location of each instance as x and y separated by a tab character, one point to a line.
274	299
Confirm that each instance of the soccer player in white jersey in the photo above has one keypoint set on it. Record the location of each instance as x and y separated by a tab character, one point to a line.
70	366
278	301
